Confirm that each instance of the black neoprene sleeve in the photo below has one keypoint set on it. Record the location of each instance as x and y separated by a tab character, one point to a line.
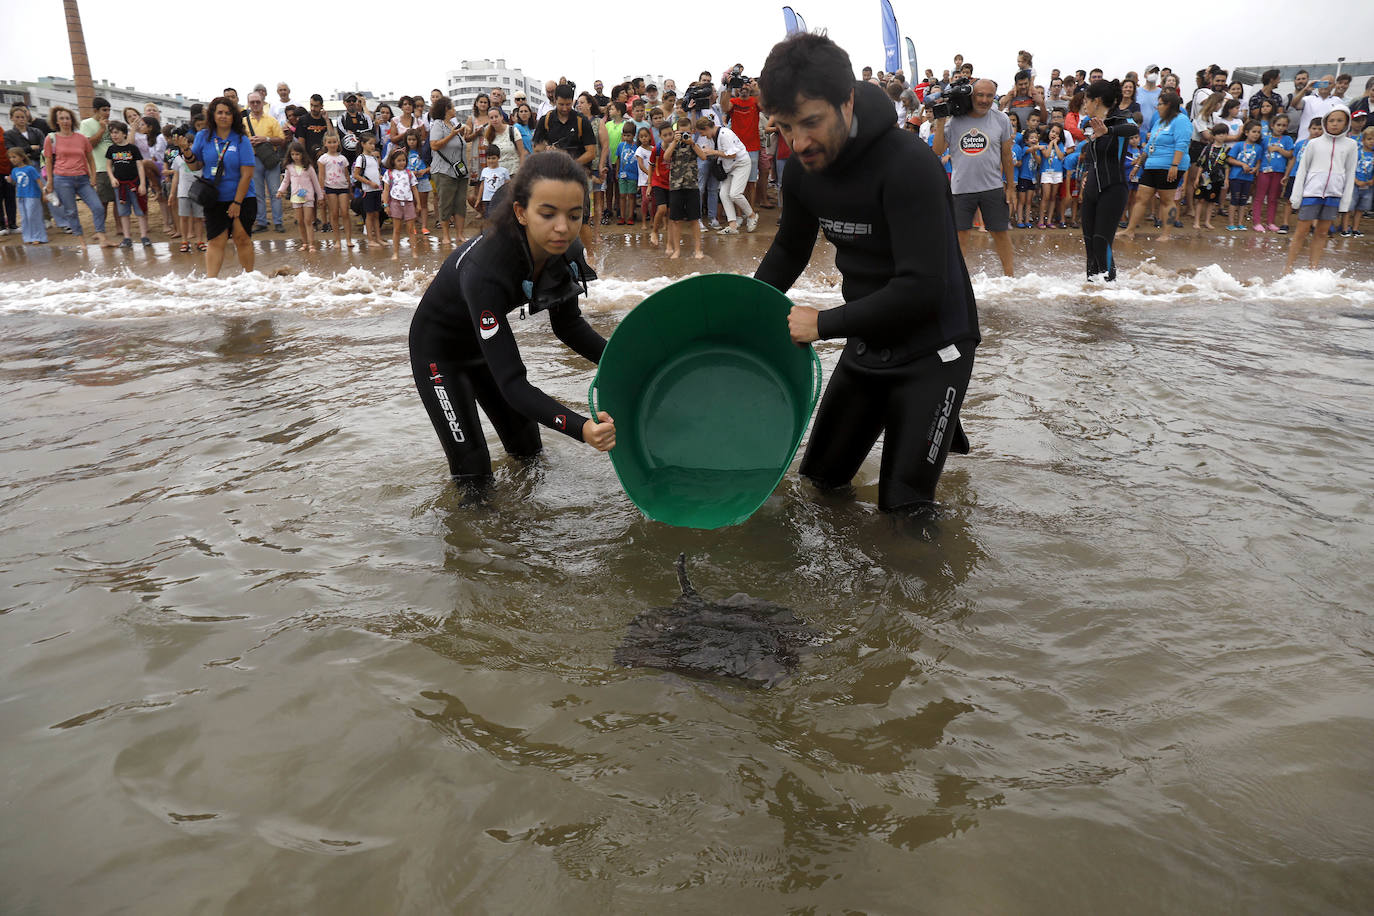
502	356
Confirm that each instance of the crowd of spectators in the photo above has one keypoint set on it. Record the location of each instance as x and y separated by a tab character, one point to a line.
661	161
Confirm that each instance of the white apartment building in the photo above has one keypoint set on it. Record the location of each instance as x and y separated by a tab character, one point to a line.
478	76
43	93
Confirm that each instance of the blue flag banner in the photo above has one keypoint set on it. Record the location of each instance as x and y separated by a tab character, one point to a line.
801	23
790	21
915	75
892	53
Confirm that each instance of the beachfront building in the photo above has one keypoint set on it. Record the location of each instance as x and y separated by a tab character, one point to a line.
650	79
43	93
478	76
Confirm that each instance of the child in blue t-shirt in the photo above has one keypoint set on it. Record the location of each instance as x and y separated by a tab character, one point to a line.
1364	185
628	177
1051	175
1245	162
1314	130
1131	165
1278	149
28	193
1027	177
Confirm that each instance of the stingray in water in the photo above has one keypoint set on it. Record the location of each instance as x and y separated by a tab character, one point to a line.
746	639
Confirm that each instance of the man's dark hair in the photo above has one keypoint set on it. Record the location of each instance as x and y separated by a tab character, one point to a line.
1269	76
1301	73
316	97
99	102
229	89
564	91
806	66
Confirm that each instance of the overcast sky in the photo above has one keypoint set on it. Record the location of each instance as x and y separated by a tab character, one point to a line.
548	39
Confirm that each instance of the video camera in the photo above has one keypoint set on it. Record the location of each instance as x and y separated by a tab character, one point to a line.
698	96
956	100
736	79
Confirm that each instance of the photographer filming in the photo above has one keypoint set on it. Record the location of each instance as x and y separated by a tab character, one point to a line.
979	140
909	320
742	115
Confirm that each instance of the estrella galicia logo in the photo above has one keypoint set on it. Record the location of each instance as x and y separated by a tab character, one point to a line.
973	142
561	421
488	325
434	375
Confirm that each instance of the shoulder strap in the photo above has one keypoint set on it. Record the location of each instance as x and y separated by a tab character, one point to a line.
248	119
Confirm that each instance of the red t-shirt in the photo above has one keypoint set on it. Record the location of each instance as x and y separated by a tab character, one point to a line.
784	151
658	178
744	121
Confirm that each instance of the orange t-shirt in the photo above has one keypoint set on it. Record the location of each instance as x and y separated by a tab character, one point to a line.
744	121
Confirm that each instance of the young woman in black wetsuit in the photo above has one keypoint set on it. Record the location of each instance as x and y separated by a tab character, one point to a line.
1106	132
462	350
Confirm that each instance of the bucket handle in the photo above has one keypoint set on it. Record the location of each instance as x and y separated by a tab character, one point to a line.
591	400
816	379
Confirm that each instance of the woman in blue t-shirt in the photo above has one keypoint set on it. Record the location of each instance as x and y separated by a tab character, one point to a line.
236	207
1166	158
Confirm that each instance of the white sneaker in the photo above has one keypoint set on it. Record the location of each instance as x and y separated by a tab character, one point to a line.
729	230
701	225
751	222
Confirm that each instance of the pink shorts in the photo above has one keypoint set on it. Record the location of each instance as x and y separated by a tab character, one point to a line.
401	209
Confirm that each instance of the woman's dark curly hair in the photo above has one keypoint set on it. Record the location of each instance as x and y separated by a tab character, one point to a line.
550	165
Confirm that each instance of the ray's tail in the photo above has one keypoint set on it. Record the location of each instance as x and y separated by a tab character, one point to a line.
682	579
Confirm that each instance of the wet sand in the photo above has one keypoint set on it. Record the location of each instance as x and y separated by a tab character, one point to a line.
626	251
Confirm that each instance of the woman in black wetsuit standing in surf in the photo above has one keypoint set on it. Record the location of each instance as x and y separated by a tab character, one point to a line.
1106	131
462	350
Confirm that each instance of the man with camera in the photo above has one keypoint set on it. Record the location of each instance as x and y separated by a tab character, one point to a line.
978	138
909	320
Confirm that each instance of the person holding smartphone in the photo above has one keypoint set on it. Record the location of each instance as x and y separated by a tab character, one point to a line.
1317	98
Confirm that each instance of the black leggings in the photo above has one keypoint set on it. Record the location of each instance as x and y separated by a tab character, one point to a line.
1101	215
916	409
451	391
8	205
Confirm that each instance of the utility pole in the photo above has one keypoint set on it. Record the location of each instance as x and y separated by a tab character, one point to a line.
81	64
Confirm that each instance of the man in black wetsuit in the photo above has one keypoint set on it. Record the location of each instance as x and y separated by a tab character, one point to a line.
881	197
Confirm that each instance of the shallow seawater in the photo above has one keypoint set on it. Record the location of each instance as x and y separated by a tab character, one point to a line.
260	656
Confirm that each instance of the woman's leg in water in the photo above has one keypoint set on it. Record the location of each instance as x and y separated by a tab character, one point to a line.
1101	210
451	403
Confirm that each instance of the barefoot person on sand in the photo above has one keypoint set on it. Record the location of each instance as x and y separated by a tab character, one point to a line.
462	350
223	144
1323	186
1166	158
881	197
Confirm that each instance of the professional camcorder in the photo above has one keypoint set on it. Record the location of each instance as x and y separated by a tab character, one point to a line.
698	96
736	79
956	100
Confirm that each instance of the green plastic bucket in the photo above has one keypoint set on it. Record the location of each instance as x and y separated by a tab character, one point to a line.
710	398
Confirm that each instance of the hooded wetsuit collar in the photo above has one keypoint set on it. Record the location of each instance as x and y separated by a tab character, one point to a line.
564	278
873	117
